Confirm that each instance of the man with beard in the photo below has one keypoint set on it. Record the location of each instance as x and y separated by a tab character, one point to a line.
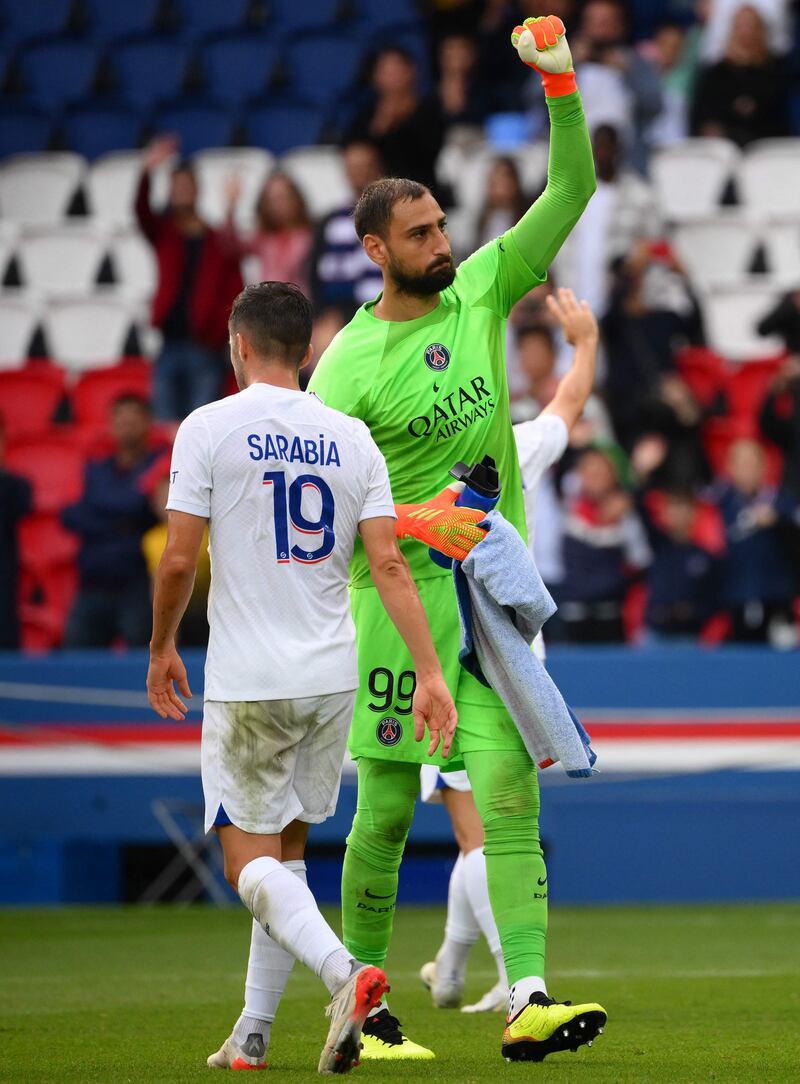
424	366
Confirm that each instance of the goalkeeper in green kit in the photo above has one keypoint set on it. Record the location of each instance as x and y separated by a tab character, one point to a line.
424	367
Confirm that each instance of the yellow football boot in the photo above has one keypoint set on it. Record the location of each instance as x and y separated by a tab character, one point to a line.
544	1026
381	1037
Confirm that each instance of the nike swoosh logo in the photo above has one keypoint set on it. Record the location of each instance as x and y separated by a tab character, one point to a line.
372	896
541	881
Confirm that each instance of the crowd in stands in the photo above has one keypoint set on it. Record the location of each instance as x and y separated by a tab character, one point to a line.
674	515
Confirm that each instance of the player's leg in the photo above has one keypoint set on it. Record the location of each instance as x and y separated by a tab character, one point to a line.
506	793
251	755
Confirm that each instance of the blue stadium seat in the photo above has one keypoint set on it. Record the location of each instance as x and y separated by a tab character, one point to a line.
322	66
23	20
149	71
95	128
377	13
57	72
280	128
22	129
200	18
197	124
289	16
109	21
238	67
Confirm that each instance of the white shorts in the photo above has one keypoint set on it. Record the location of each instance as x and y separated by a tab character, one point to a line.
270	762
433	782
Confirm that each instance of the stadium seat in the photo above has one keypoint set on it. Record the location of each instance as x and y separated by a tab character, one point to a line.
782	249
201	18
107	22
198	125
87	334
18	319
95	392
23	129
703	371
690	177
54	467
44	543
47	599
29	399
34	18
36	189
111	187
57	72
377	14
238	68
95	128
61	260
468	171
769	178
717	251
334	70
720	433
731	315
213	167
746	385
148	71
281	128
320	175
288	17
134	263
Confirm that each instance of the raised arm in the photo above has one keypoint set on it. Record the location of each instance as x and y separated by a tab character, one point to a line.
540	233
156	152
580	328
432	703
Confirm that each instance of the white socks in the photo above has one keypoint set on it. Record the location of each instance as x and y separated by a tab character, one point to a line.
283	905
268	971
521	991
477	891
461	931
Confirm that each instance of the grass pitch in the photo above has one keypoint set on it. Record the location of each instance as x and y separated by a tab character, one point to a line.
132	994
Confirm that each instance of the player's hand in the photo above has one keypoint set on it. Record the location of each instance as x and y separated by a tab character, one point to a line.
450	530
576	318
163	670
158	151
541	44
433	706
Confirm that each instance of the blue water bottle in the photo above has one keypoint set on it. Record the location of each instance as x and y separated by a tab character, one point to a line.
481	490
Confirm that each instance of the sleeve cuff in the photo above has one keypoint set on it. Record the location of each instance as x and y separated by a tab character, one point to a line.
376	511
187	506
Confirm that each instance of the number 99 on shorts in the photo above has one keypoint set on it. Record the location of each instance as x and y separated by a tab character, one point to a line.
390	692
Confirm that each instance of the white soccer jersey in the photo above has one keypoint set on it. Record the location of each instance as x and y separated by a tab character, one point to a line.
284	482
540	443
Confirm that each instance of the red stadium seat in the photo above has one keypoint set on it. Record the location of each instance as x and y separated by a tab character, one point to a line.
29	398
95	392
747	383
54	467
703	371
45	543
45	602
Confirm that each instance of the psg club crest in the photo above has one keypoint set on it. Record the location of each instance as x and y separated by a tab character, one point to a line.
389	731
437	357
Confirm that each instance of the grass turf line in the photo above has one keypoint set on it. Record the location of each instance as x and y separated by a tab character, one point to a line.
694	994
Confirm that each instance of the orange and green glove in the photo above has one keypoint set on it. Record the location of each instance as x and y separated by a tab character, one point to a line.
450	530
542	45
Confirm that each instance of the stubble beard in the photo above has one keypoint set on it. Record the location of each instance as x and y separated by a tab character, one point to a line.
425	285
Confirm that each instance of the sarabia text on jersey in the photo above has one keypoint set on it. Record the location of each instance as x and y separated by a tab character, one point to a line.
284	482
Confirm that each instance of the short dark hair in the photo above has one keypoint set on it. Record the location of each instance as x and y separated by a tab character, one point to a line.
277	318
373	212
537	331
133	398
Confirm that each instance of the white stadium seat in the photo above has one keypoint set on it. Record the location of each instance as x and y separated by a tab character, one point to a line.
731	315
111	185
690	177
87	334
134	265
18	319
717	251
36	189
213	167
61	261
319	174
769	178
782	246
469	181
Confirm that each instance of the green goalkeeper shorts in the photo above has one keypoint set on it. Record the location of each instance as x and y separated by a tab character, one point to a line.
383	724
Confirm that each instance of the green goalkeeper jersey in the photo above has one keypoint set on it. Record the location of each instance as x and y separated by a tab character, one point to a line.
433	391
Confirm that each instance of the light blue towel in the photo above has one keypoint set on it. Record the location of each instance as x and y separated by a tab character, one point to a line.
503	604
